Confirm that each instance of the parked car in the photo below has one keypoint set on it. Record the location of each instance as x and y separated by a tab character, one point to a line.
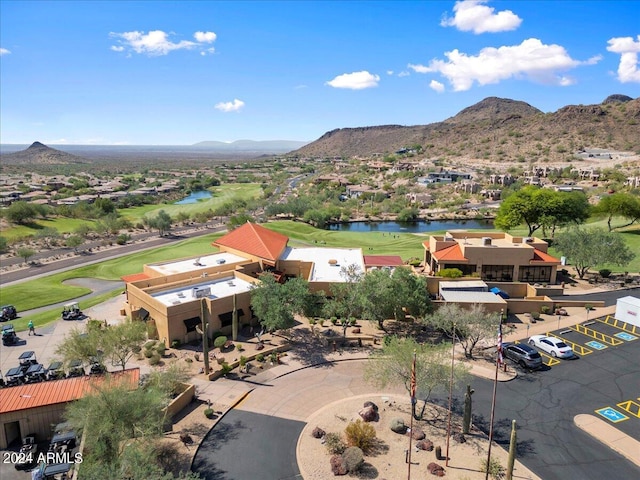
551	345
8	312
9	336
523	355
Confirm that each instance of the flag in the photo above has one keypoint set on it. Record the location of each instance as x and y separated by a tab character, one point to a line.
413	379
499	346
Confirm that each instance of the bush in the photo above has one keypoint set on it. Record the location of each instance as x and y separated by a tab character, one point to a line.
240	347
148	353
175	344
155	359
588	306
219	341
334	443
150	344
243	360
535	315
450	273
545	309
334	320
352	459
360	434
161	348
495	469
604	272
226	368
260	357
208	412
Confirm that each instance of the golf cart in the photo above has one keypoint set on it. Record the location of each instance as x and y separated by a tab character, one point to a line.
14	376
96	366
27	359
35	373
71	311
52	471
9	336
28	453
8	312
55	371
76	369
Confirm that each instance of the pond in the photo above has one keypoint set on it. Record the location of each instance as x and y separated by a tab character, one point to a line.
195	197
413	227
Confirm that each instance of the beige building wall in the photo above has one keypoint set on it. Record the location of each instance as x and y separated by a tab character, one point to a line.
37	420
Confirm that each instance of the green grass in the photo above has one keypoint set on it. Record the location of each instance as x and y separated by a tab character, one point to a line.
42	318
221	195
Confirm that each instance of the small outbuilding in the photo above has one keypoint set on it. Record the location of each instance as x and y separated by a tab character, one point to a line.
628	310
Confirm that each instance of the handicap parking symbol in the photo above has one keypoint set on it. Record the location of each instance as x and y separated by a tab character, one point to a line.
612	415
626	336
596	345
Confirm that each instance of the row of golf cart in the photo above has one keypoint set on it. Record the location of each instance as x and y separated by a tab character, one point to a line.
8	312
30	371
61	447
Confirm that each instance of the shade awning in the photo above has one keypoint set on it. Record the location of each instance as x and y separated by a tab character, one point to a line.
192	323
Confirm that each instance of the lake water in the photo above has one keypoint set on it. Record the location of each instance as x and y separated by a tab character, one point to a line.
195	197
414	227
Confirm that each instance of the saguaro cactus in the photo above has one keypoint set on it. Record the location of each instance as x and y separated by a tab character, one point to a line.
512	450
466	420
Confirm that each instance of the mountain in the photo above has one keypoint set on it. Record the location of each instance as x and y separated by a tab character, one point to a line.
497	129
265	146
40	154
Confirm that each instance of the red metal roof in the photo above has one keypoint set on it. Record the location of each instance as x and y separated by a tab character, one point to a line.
382	260
41	394
450	254
540	256
134	277
255	240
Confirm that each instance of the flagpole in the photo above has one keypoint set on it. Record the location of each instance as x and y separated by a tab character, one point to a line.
493	398
413	403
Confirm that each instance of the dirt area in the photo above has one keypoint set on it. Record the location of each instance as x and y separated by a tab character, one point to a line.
388	459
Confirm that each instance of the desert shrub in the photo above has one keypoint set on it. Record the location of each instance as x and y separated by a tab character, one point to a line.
321	322
352	321
496	470
545	309
175	344
352	459
219	342
360	434
161	348
240	348
243	360
226	368
260	357
604	272
450	273
334	443
148	353
188	360
208	412
535	315
273	357
155	359
588	306
149	344
334	320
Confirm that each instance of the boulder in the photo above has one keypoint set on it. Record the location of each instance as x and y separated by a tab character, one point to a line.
435	469
318	432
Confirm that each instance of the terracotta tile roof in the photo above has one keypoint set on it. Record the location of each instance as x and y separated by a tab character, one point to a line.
540	256
382	260
41	394
452	253
255	240
134	277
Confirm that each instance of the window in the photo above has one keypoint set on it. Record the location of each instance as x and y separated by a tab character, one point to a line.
498	273
535	274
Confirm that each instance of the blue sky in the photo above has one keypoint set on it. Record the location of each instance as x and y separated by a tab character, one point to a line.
177	73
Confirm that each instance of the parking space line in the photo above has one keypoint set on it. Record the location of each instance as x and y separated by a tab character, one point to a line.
614	322
590	332
577	348
630	407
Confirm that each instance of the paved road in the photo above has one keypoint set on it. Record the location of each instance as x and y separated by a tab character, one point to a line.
544	404
95	257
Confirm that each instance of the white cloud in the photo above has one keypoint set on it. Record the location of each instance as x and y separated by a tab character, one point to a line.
473	15
437	86
355	80
234	106
4	51
205	37
531	59
389	72
404	74
157	43
628	48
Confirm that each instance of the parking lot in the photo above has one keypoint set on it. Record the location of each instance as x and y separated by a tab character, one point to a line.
602	379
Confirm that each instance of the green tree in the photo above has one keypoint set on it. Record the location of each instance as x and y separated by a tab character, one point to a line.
275	304
391	365
593	248
236	221
471	325
21	212
25	253
122	341
161	222
619	204
74	241
538	207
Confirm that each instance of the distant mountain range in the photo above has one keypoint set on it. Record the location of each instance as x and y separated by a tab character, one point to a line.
497	129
